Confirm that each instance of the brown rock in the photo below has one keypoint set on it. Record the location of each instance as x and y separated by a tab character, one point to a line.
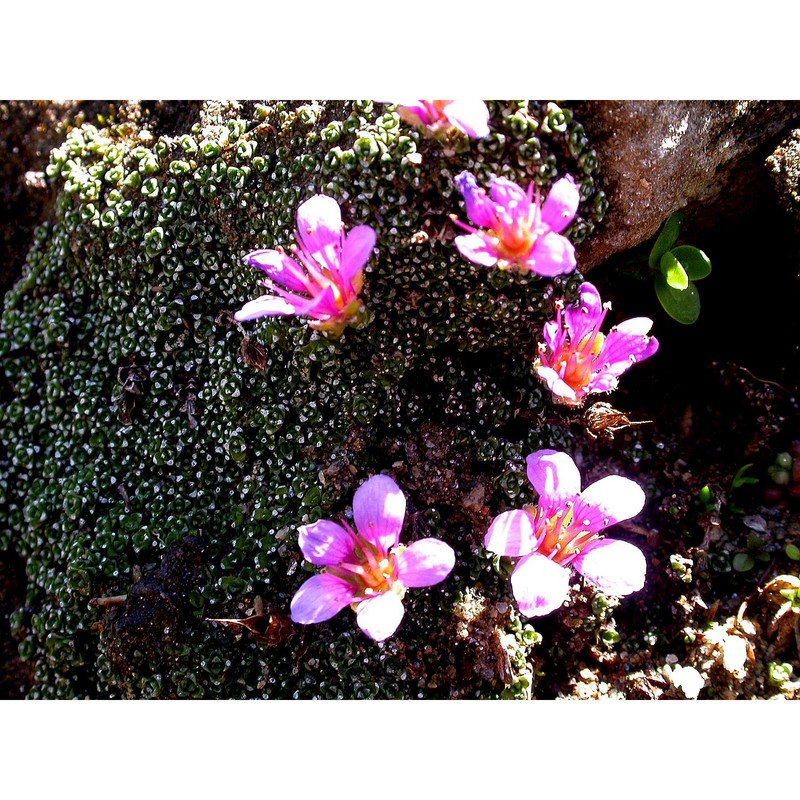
658	157
784	170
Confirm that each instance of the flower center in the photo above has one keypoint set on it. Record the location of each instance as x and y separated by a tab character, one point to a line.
575	364
560	537
372	571
515	242
518	227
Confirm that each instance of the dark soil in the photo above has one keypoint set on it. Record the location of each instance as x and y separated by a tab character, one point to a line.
16	676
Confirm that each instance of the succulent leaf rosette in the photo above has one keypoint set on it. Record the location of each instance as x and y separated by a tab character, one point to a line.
366	567
563	530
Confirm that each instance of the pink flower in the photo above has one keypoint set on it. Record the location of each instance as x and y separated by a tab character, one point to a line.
367	568
575	359
438	116
563	529
323	279
521	233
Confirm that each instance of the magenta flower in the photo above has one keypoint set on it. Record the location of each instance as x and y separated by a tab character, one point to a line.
563	530
519	232
367	568
325	276
439	116
575	359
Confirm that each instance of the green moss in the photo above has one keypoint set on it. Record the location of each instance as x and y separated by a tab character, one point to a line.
134	422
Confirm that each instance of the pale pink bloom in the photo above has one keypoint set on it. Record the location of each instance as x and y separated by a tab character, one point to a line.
514	229
325	276
562	530
438	116
367	568
575	359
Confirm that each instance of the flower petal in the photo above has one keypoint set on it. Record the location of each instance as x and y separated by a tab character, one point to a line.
623	347
552	255
325	543
265	306
562	391
636	326
511	534
414	112
320	598
281	268
586	316
553	335
510	195
477	249
358	247
603	381
379	616
561	205
540	585
469	116
425	563
323	305
553	474
379	508
319	228
613	566
607	501
480	209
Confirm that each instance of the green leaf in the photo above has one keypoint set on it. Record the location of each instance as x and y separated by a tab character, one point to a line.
753	542
793	551
694	261
740	479
675	274
743	562
667	238
682	306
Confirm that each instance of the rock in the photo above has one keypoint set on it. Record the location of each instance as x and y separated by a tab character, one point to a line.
784	170
658	157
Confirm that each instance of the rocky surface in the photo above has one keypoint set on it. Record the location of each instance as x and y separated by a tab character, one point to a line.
658	157
784	170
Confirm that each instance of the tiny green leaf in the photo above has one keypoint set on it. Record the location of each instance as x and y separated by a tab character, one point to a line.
793	551
672	270
694	261
667	238
740	479
743	562
779	476
778	673
682	306
753	542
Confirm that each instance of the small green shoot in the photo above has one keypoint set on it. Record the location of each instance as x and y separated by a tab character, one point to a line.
744	562
740	479
779	673
793	596
792	551
706	498
676	269
609	637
